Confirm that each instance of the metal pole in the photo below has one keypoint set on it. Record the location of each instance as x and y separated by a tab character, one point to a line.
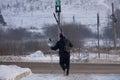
59	26
52	67
113	24
98	24
59	23
74	20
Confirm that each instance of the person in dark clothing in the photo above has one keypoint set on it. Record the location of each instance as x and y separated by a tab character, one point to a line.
64	46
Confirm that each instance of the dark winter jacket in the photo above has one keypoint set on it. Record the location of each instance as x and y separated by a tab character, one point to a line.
64	46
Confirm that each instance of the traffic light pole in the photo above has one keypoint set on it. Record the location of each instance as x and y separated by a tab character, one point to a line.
60	31
58	11
58	21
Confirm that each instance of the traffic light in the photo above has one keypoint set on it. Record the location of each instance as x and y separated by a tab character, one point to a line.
58	6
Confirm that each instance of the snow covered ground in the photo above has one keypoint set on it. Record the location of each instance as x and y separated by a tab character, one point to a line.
73	77
13	72
37	13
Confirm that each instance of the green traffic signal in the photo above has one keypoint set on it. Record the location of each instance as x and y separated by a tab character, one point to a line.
58	6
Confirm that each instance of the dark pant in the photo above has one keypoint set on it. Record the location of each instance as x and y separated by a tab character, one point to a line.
65	61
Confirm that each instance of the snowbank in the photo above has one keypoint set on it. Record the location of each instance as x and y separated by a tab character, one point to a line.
13	72
36	54
40	57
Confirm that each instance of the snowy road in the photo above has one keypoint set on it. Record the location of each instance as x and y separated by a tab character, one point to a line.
75	67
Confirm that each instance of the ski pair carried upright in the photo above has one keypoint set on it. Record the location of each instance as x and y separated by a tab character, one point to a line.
59	26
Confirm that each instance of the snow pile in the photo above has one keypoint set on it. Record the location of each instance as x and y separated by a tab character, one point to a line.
73	77
13	72
88	57
36	54
40	57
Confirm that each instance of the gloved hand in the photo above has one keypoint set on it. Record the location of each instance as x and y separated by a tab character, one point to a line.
50	44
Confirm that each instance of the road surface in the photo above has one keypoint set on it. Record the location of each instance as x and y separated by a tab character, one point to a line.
75	67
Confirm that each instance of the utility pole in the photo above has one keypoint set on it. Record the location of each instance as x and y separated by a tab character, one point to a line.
98	25
74	20
114	20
